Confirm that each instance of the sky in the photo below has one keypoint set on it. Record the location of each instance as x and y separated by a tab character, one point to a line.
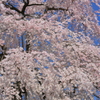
96	8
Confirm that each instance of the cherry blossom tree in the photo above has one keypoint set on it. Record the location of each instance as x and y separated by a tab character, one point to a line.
59	61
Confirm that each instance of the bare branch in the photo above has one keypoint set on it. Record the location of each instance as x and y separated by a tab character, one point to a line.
53	8
26	3
36	5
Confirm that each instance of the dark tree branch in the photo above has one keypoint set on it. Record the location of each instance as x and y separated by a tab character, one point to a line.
26	4
96	96
24	1
36	5
27	46
2	55
53	8
11	7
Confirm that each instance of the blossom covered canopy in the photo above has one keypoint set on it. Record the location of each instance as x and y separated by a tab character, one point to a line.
60	62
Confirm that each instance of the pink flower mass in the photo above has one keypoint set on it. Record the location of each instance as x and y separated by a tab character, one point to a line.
47	51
